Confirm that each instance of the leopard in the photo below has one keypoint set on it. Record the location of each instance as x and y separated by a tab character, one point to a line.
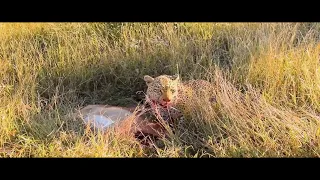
170	96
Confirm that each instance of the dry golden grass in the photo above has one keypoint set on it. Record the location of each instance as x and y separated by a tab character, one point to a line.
265	77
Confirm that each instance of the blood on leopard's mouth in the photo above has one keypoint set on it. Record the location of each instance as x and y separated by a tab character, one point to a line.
165	104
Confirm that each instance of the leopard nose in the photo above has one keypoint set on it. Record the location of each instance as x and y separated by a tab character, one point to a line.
166	99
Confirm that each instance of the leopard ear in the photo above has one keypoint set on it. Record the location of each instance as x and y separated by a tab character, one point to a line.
176	77
148	79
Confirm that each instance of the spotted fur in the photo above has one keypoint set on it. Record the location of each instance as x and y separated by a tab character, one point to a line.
167	88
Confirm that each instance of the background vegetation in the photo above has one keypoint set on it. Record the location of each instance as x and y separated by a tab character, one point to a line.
266	79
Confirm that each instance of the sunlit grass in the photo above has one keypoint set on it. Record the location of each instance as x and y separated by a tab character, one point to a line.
265	77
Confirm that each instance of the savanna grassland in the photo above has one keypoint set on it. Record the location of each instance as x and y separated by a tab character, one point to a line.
266	78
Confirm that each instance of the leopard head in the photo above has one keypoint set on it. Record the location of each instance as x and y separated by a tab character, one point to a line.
162	89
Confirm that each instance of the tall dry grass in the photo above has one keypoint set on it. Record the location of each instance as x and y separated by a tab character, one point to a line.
264	75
